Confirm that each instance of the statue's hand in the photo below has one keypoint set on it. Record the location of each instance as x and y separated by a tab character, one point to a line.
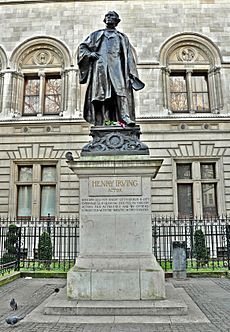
94	56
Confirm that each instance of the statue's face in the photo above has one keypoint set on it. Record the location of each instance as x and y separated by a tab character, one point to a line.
111	19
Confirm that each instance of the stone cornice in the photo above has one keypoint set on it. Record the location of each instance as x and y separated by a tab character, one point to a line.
143	119
9	2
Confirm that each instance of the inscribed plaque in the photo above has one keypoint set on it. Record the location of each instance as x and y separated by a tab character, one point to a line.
115	186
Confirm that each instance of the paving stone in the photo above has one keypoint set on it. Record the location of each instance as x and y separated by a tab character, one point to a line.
211	295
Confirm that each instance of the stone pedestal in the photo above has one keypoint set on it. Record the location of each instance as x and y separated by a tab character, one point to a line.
116	260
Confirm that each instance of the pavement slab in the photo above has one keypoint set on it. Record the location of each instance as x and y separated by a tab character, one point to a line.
210	295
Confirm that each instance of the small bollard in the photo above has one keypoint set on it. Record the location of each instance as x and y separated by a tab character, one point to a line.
179	260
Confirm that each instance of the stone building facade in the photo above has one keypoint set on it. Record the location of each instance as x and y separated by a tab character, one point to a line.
183	56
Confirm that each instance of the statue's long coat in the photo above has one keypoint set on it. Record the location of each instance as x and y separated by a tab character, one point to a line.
98	75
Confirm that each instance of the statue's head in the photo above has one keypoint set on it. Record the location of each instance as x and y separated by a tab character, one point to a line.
111	18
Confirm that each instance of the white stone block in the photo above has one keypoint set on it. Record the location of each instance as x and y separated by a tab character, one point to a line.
78	284
152	284
116	285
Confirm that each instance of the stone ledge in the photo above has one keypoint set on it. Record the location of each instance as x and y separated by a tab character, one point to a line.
6	2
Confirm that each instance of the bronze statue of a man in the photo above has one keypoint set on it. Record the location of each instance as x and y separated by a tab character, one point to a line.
107	63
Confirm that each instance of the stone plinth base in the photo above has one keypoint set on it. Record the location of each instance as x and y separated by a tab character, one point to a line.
173	306
115	259
115	284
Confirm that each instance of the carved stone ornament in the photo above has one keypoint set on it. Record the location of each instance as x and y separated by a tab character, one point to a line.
115	140
42	57
187	54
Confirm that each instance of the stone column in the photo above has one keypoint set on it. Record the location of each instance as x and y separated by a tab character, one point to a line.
69	92
189	89
116	260
11	99
218	89
42	76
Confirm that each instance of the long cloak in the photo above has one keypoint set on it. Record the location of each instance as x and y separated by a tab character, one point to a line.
95	72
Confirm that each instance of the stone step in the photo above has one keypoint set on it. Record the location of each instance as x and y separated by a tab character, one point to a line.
59	305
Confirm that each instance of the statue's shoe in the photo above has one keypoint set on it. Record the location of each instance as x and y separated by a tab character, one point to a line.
128	121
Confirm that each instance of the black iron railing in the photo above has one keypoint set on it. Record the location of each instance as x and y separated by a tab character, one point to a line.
207	243
23	246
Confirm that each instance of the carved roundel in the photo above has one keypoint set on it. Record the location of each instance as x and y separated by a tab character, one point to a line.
187	54
42	57
114	141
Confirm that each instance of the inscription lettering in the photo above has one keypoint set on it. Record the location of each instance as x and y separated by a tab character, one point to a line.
115	204
126	183
102	183
112	183
114	186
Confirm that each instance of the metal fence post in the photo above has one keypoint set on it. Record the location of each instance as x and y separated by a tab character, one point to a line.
18	248
228	244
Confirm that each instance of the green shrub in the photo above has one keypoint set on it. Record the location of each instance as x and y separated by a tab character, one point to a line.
45	249
10	244
200	249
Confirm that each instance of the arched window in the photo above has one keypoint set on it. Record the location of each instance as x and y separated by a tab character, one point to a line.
40	78
191	75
